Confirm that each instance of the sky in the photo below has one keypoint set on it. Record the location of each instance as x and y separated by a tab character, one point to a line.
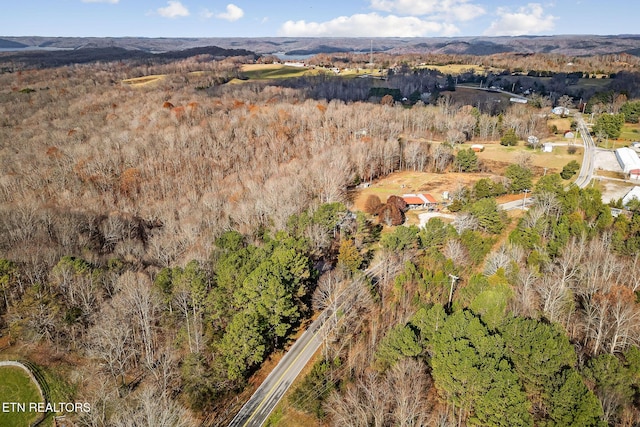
324	18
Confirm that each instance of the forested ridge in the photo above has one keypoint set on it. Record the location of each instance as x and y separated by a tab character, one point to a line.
159	242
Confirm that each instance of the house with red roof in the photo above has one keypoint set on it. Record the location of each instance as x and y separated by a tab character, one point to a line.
419	201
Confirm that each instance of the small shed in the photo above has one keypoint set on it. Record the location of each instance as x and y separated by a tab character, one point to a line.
634	174
547	147
569	135
477	147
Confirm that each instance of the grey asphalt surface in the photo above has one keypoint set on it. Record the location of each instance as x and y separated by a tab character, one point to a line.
588	161
256	411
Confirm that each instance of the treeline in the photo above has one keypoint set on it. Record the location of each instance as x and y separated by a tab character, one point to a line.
100	169
188	336
514	62
540	330
117	201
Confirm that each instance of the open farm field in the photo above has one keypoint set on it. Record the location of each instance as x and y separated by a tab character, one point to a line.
274	71
554	161
466	96
145	80
598	83
455	69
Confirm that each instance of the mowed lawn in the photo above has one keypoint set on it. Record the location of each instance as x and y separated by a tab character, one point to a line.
553	161
16	386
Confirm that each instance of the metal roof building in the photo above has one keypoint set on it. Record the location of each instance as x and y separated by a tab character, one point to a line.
628	159
633	194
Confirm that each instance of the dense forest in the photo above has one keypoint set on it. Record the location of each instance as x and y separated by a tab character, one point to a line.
159	242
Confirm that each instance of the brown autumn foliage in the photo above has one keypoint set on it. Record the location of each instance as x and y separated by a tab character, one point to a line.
372	204
118	175
398	202
389	214
243	158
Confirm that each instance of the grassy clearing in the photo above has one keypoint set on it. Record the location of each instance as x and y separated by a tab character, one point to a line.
554	161
415	182
455	69
598	83
275	71
16	386
467	96
145	80
630	132
561	124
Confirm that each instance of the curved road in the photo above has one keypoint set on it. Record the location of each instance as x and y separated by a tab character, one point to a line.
588	161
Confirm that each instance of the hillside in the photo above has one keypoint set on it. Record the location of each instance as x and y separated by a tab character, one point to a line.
572	45
169	225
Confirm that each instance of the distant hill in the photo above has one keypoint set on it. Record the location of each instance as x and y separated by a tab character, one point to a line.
9	44
573	45
92	52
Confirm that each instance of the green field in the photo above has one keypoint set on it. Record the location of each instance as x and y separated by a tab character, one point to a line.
630	132
274	71
16	386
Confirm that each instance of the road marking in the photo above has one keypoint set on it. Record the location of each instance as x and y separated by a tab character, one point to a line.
262	402
369	271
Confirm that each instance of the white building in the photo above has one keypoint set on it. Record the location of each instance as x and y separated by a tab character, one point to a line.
633	194
560	111
628	159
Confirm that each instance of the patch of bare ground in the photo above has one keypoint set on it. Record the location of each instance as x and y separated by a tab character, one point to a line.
406	182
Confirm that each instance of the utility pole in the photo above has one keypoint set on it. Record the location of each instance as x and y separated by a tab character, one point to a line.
526	190
453	284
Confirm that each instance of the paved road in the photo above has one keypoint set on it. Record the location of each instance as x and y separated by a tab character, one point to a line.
588	161
256	411
518	204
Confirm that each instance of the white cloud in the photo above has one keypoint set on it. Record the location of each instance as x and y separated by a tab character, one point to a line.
174	9
368	25
101	1
449	10
206	13
529	19
233	13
